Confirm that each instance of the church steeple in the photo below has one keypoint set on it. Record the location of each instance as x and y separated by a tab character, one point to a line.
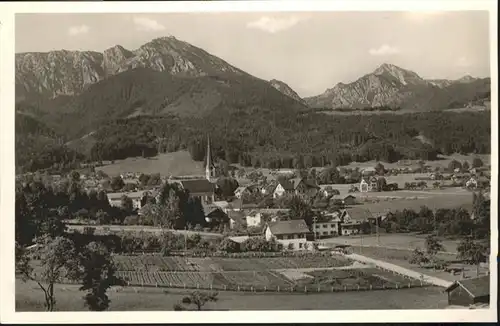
208	168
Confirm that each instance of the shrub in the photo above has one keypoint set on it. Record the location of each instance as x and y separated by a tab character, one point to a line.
131	220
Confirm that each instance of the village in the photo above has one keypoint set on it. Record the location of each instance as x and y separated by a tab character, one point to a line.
256	205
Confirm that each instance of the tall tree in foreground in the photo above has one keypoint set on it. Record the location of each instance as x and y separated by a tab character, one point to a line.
98	275
58	260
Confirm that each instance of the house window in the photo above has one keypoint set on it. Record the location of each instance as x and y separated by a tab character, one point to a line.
317	226
285	237
280	237
325	233
300	245
325	226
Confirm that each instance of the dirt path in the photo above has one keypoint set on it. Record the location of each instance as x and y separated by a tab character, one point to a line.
400	270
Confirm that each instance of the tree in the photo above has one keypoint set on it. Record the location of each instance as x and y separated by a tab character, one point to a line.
300	210
418	257
58	260
465	166
472	252
200	299
477	162
433	245
117	183
98	275
127	204
229	245
381	184
380	169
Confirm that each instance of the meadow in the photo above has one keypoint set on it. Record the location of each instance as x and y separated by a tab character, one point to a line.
175	164
30	298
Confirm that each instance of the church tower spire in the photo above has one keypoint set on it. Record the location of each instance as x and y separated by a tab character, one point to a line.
208	168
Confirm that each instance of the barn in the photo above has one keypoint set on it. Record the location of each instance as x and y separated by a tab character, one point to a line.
471	291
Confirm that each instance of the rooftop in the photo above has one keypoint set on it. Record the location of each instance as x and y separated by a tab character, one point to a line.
289	227
198	186
477	287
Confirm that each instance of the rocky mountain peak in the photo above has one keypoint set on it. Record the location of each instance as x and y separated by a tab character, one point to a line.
403	76
64	72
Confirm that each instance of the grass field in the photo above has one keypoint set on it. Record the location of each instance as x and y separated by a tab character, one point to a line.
30	298
175	164
400	258
397	241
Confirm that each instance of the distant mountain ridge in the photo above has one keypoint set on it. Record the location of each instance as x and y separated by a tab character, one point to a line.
395	87
55	73
285	89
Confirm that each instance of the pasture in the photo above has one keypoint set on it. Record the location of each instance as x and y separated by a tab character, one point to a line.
400	258
30	298
392	241
174	164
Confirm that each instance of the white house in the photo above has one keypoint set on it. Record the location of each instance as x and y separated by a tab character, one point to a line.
254	218
115	198
240	191
330	227
290	234
367	184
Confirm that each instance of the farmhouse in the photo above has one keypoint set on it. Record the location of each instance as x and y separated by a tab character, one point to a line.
115	198
469	291
329	227
254	218
298	186
201	188
368	183
290	234
352	218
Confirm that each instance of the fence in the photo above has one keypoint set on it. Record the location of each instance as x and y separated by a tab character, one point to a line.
307	289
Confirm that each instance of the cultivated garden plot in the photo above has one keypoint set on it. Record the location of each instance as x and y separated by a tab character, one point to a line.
157	263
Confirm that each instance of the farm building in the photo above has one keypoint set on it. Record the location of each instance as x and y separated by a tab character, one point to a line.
469	291
291	234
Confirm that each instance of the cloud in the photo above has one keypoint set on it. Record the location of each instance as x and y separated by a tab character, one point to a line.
147	24
463	62
384	50
274	25
76	30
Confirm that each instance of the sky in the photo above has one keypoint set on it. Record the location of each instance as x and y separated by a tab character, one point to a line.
310	51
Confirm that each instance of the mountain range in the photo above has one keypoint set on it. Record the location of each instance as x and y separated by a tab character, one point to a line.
74	93
395	87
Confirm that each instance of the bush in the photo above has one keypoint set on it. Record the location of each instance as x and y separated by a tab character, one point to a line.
131	220
228	245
